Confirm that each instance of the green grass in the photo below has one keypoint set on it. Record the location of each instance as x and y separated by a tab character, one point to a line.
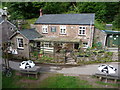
111	84
61	81
56	81
9	82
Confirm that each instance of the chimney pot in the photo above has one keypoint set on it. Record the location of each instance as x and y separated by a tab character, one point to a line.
40	12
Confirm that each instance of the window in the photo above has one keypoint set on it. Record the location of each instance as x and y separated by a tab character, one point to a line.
44	29
53	29
85	44
20	43
82	30
11	28
62	29
47	44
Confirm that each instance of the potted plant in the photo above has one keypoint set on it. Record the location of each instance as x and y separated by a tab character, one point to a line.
40	53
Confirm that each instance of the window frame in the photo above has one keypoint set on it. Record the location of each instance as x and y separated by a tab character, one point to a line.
19	43
85	46
81	30
47	44
45	27
61	29
53	29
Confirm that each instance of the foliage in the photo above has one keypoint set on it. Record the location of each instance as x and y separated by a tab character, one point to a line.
41	52
28	22
116	22
46	58
104	11
99	24
109	53
35	53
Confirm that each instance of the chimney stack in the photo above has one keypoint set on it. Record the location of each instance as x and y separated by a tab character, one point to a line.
40	12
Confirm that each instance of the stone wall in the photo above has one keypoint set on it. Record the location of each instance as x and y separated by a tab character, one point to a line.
99	36
71	31
101	57
21	52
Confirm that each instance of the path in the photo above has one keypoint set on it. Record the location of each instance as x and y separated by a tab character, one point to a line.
86	70
81	70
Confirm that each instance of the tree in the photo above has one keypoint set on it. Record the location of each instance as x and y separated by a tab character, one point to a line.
116	22
104	11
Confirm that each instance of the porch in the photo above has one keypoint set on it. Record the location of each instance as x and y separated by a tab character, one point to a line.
55	44
58	49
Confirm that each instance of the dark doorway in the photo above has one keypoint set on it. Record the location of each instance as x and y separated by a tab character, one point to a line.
76	45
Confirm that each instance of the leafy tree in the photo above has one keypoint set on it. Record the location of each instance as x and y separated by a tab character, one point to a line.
104	11
116	22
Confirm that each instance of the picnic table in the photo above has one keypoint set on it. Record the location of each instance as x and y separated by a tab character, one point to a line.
109	76
34	71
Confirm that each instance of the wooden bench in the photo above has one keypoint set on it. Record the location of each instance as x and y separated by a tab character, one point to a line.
112	77
29	72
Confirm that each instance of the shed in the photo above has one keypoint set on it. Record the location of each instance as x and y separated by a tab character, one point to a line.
113	38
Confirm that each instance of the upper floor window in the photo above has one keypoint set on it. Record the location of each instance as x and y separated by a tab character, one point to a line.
53	29
82	30
20	43
45	29
62	29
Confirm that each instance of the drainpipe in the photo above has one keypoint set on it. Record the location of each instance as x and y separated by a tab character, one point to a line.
90	39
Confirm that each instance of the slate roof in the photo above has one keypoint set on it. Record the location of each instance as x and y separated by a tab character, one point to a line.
30	34
66	19
111	32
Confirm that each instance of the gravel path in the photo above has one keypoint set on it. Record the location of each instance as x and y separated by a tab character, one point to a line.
81	70
87	69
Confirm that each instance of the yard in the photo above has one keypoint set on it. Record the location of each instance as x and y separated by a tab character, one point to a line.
50	80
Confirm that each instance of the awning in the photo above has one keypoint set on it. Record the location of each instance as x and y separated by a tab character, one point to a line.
59	39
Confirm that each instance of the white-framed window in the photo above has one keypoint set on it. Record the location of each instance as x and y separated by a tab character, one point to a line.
82	30
20	43
44	29
62	29
85	45
47	44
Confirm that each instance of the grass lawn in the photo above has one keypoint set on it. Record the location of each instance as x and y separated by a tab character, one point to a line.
60	81
50	80
9	82
54	81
